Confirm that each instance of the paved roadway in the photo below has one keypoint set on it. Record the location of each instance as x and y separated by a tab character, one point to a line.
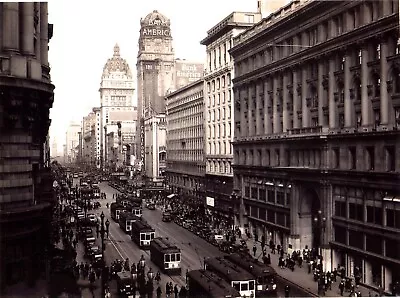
193	248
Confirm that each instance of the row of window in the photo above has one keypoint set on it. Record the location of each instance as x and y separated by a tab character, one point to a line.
385	216
217	114
218	83
350	158
173	102
376	244
219	56
219	131
358	16
222	167
219	148
269	215
267	194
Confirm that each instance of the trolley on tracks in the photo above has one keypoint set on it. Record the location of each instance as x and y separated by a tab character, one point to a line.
115	210
136	210
240	279
204	283
142	234
126	219
165	255
264	275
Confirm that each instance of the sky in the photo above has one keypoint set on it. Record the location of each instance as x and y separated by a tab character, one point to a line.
85	33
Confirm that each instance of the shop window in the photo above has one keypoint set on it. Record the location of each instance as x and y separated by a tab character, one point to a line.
254	193
393	218
271	216
370	158
280	218
254	211
262	195
336	158
376	270
280	198
356	211
373	243
271	196
340	234
392	248
262	214
390	158
341	209
352	158
247	192
374	215
356	239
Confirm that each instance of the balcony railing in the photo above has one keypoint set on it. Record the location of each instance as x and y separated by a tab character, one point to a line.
306	130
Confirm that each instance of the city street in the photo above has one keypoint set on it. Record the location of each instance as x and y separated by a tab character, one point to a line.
193	248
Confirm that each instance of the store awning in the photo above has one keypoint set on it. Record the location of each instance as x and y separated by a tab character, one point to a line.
171	196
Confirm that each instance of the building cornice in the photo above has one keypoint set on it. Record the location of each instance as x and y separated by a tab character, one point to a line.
341	42
225	69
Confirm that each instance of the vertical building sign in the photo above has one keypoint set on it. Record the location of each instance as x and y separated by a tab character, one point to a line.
142	145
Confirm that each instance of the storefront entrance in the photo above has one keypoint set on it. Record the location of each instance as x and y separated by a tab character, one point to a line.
309	228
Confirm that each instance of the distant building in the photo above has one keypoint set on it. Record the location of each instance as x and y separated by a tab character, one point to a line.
116	96
317	143
89	140
155	69
54	149
185	141
219	107
26	192
72	141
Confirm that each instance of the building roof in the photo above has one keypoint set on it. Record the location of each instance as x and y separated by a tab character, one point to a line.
116	64
155	18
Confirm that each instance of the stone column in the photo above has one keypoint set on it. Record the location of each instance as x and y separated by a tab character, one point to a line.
383	89
348	102
27	46
327	212
366	105
250	116
43	48
275	113
267	121
285	111
242	112
11	26
305	114
296	106
331	94
294	218
258	108
320	90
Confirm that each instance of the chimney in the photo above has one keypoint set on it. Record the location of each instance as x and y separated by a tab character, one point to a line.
266	7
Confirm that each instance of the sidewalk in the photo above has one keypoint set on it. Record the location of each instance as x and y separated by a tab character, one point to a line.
300	276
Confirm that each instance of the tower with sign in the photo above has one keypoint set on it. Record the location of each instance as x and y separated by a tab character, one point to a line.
155	68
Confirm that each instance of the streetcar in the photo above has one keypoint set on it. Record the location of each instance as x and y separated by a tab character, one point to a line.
115	210
165	255
125	284
136	210
264	275
204	283
240	279
96	191
142	234
126	219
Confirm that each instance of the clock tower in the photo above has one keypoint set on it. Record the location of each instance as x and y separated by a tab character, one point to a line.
155	68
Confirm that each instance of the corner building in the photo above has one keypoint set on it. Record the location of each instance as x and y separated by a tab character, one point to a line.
317	118
155	66
26	96
219	111
185	141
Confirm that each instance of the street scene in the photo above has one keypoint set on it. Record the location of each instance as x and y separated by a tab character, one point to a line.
177	149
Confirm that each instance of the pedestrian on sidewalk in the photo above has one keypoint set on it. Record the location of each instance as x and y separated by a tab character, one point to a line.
254	249
341	287
176	291
159	292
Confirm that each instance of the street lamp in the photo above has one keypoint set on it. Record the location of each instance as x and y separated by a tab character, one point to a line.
320	222
141	278
233	200
104	229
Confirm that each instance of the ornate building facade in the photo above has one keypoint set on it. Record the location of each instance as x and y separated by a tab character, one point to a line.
26	96
317	119
116	96
185	140
72	141
219	109
155	67
89	139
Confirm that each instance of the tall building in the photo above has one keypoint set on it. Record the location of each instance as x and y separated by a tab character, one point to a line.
185	143
155	69
116	96
72	141
89	140
26	96
317	144
54	149
219	109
